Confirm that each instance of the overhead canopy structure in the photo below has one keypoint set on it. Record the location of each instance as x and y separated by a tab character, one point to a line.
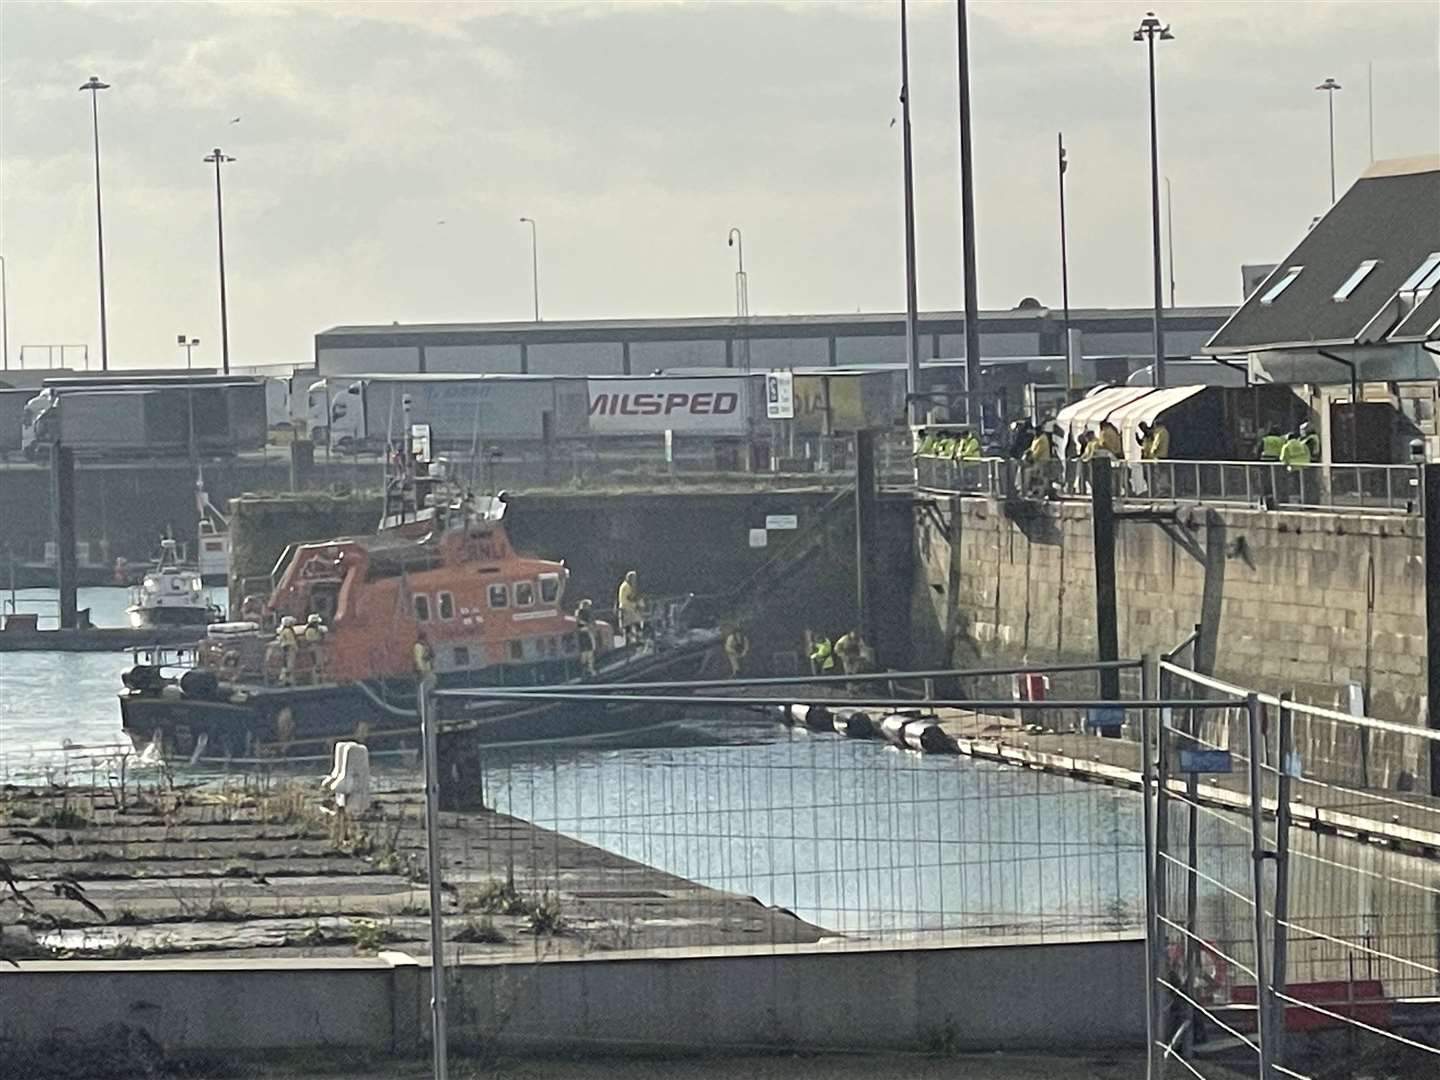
1146	410
1087	413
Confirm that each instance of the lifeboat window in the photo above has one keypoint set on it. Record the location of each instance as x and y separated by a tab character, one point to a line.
422	608
462	656
499	595
549	588
524	594
322	601
446	605
517	650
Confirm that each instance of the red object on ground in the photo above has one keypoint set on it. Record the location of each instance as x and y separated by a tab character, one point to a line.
1363	1000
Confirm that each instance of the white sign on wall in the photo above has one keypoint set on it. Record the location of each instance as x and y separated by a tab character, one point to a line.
782	521
650	406
779	395
759	538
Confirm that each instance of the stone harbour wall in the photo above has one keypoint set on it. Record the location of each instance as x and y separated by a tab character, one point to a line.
1304	602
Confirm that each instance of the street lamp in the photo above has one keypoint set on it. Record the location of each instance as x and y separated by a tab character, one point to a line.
4	317
534	264
734	238
1330	86
217	158
188	343
95	86
912	315
1170	239
1148	31
1071	375
742	284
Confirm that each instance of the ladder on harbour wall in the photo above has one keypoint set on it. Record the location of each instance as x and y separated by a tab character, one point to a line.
745	601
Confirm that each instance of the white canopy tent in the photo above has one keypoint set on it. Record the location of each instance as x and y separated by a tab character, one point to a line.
1089	411
1145	410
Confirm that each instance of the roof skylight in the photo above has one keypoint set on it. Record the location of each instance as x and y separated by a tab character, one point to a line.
1353	281
1426	276
1273	293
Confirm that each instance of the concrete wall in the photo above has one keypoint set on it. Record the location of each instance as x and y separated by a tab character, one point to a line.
1038	997
1076	995
216	1005
1289	601
659	534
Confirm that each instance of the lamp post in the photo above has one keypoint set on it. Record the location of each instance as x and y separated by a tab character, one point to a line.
1330	86
1061	165
218	158
534	264
974	413
4	317
912	355
188	343
742	294
1170	240
734	238
95	86
1148	31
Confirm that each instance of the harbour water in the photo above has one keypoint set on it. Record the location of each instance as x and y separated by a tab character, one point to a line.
854	836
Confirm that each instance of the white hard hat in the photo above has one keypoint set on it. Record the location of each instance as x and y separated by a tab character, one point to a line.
288	620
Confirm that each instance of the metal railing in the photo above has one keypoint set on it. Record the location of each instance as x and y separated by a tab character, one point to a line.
1380	488
965	476
1370	488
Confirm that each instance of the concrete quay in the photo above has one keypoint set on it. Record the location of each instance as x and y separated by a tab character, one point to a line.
1049	995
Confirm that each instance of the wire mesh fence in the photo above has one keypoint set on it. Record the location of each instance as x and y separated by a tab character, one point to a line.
983	807
1278	911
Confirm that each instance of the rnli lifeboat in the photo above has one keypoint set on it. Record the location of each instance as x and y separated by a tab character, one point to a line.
332	653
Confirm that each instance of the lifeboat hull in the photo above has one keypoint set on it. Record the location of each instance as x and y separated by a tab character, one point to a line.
305	721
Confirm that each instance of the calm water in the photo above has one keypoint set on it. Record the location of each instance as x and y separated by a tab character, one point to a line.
50	700
854	836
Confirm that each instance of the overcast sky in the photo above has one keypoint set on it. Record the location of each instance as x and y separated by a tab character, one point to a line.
385	152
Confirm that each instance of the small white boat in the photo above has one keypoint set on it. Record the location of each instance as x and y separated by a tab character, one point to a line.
213	544
170	594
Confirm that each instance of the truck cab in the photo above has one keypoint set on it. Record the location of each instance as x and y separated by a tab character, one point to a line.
37	425
336	416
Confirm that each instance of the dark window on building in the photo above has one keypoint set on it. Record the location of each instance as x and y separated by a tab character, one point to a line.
499	596
524	593
549	588
422	608
446	605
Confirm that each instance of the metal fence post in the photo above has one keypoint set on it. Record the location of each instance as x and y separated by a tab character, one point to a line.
432	860
1162	847
1153	1033
1282	879
1258	855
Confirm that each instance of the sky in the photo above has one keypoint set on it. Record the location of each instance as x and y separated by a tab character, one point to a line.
384	154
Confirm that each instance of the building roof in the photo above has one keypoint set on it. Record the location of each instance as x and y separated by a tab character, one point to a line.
756	326
1322	293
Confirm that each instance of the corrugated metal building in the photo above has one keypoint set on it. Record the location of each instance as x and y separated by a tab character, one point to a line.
640	346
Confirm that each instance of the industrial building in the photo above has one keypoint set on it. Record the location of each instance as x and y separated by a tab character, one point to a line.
1112	342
